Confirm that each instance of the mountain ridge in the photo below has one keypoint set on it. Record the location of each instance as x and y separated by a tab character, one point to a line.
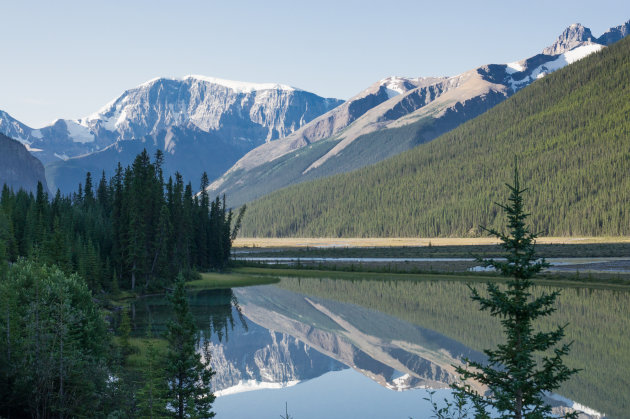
242	112
435	102
569	130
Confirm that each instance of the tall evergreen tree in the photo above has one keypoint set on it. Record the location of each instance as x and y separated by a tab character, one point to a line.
188	375
152	395
517	382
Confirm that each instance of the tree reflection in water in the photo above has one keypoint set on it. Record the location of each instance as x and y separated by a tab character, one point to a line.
213	310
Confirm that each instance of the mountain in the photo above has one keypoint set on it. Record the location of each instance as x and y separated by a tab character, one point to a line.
18	168
188	151
193	116
573	36
386	121
569	130
615	34
58	140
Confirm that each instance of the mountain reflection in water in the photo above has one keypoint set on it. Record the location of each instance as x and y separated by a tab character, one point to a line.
269	337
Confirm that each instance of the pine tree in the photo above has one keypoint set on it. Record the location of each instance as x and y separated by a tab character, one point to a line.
4	239
188	376
516	380
125	332
151	397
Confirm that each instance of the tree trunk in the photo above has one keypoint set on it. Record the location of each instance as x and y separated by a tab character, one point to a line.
133	276
61	358
8	334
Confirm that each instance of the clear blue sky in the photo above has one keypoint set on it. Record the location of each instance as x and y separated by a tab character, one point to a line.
66	59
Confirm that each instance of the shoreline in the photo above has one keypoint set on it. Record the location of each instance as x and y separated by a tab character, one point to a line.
335	242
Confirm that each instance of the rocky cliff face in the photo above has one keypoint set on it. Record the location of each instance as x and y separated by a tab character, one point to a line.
244	114
573	36
250	112
615	34
201	123
334	121
18	168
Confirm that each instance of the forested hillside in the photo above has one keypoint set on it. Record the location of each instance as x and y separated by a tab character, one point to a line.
569	130
135	230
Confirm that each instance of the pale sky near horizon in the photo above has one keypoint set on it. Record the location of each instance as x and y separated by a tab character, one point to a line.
67	59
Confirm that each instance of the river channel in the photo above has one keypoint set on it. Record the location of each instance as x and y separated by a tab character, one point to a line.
375	348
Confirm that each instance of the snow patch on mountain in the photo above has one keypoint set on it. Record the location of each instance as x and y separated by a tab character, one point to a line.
561	61
78	133
236	86
253	385
565	59
394	86
243	87
515	67
31	149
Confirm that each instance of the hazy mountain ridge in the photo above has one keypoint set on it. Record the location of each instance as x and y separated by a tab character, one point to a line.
441	104
18	168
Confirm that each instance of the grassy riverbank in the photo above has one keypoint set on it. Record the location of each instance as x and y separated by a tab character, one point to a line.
445	248
560	279
398	242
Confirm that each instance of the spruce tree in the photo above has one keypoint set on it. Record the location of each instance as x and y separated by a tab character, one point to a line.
520	371
151	396
187	374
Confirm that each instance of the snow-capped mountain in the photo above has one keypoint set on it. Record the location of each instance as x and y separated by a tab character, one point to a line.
439	104
201	123
247	114
256	112
335	120
577	35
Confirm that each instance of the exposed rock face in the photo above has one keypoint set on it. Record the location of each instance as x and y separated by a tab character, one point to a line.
572	37
244	114
202	123
18	168
615	34
335	120
189	151
243	111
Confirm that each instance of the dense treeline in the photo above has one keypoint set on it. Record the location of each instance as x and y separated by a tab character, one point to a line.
135	230
54	349
571	133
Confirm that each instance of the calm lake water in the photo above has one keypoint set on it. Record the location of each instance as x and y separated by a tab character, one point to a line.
371	349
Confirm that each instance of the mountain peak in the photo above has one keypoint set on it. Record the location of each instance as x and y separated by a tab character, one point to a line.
615	34
573	36
236	86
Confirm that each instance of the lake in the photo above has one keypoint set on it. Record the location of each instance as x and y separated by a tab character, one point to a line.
374	348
